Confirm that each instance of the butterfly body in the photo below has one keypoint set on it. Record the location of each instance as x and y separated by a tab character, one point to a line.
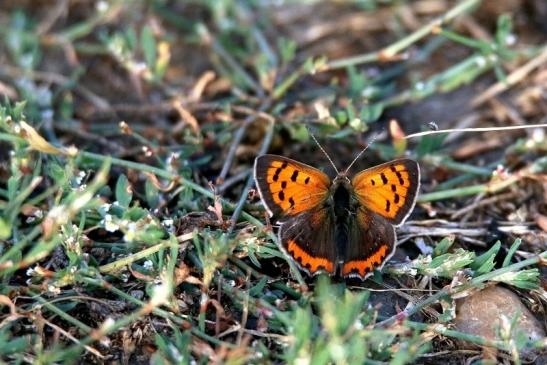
340	226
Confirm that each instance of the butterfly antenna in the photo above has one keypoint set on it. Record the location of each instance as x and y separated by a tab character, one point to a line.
361	153
324	152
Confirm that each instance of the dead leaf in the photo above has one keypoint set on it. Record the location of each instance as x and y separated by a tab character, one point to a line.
38	143
541	221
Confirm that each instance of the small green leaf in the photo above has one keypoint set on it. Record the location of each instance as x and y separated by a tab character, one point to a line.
287	49
257	290
152	194
357	81
124	193
372	112
152	235
485	262
430	144
148	44
130	40
13	187
443	246
298	132
5	229
135	213
504	29
55	171
511	252
341	117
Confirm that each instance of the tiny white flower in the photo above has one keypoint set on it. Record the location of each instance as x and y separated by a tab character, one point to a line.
510	39
53	289
102	6
80	177
160	294
139	67
109	224
81	201
105	207
131	233
368	92
148	265
107	324
59	214
480	61
538	135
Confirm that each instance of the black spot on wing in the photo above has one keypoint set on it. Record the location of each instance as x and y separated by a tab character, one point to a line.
401	181
277	172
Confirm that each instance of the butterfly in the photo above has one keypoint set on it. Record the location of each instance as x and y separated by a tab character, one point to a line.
340	226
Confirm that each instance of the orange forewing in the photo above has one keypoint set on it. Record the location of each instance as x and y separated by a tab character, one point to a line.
289	187
390	189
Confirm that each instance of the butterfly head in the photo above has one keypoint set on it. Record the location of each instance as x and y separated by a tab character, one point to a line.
341	179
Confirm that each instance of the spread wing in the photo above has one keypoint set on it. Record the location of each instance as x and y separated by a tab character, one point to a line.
309	239
370	243
389	190
288	187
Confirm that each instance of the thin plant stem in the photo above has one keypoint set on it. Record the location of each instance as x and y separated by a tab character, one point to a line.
128	260
389	53
475	130
442	330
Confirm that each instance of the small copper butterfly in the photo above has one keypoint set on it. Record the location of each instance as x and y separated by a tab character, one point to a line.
343	225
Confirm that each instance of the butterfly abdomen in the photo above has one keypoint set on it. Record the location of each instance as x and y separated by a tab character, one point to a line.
342	212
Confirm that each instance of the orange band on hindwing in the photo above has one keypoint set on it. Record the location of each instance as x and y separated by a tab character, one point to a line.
366	265
312	264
